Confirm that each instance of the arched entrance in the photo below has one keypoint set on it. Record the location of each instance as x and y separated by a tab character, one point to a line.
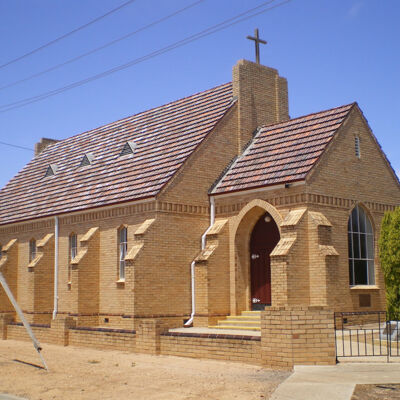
263	239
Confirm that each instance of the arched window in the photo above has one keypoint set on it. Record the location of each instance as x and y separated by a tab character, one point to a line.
32	250
361	248
73	251
122	249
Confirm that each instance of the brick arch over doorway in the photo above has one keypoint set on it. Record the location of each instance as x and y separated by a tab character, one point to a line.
241	229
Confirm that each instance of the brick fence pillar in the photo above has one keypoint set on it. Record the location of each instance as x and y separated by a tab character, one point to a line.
5	319
148	336
297	336
60	329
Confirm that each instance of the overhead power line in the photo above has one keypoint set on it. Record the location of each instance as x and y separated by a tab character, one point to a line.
128	35
206	32
67	34
16	146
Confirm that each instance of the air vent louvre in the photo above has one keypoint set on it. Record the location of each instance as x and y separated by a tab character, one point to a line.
86	160
51	170
129	148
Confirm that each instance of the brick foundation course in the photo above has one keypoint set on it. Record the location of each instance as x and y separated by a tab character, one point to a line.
289	336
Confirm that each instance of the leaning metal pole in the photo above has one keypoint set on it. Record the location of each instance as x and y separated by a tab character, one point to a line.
36	344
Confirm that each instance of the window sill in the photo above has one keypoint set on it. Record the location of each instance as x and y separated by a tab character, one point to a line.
364	287
120	282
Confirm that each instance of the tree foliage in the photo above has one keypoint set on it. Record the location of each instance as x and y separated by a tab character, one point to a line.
389	254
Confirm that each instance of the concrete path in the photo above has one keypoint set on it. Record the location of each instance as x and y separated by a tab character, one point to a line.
334	382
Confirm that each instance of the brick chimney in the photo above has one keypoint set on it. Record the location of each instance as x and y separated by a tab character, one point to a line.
262	98
44	142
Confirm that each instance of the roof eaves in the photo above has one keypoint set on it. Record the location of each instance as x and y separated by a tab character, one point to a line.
80	210
257	187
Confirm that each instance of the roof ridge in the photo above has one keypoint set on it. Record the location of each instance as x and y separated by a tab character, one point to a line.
284	152
121	120
350	105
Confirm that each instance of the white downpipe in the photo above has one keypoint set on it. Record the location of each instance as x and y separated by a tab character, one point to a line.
203	246
55	310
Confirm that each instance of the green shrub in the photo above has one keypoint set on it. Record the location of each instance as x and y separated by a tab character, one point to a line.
389	254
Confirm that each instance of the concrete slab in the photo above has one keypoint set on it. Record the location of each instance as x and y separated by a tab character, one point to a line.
334	382
4	396
313	391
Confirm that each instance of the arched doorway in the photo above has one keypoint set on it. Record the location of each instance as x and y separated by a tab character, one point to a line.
263	239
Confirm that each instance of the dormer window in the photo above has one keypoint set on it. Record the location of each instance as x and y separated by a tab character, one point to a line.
87	160
357	147
129	148
51	170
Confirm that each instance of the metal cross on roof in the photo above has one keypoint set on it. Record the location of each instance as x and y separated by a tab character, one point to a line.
257	42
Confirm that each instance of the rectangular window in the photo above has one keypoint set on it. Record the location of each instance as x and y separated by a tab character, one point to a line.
123	247
32	250
73	251
73	246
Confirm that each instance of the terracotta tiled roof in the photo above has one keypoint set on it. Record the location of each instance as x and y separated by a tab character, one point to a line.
164	137
284	152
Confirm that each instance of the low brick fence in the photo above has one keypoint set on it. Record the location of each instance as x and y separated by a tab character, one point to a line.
42	333
103	338
289	336
297	336
218	347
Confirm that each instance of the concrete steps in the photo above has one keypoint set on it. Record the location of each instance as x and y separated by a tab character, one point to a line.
248	320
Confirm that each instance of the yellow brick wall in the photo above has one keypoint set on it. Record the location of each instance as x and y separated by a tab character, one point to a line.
262	98
247	351
364	180
297	336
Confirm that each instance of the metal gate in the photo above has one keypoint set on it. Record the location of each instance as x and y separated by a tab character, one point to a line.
366	334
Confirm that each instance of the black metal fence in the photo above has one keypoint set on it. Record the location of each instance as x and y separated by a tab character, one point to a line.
366	334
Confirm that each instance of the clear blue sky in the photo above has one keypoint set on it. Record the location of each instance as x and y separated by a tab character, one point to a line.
332	52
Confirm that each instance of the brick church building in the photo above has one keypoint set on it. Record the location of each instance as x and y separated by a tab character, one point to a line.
203	208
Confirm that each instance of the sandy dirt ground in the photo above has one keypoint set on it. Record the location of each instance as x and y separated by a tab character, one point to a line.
81	373
384	391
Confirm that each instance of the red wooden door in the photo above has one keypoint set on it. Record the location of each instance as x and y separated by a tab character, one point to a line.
264	238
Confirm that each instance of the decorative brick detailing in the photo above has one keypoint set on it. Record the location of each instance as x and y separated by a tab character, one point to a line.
267	207
323	259
41	279
211	270
240	229
138	242
9	268
85	273
289	262
41	245
297	335
27	227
